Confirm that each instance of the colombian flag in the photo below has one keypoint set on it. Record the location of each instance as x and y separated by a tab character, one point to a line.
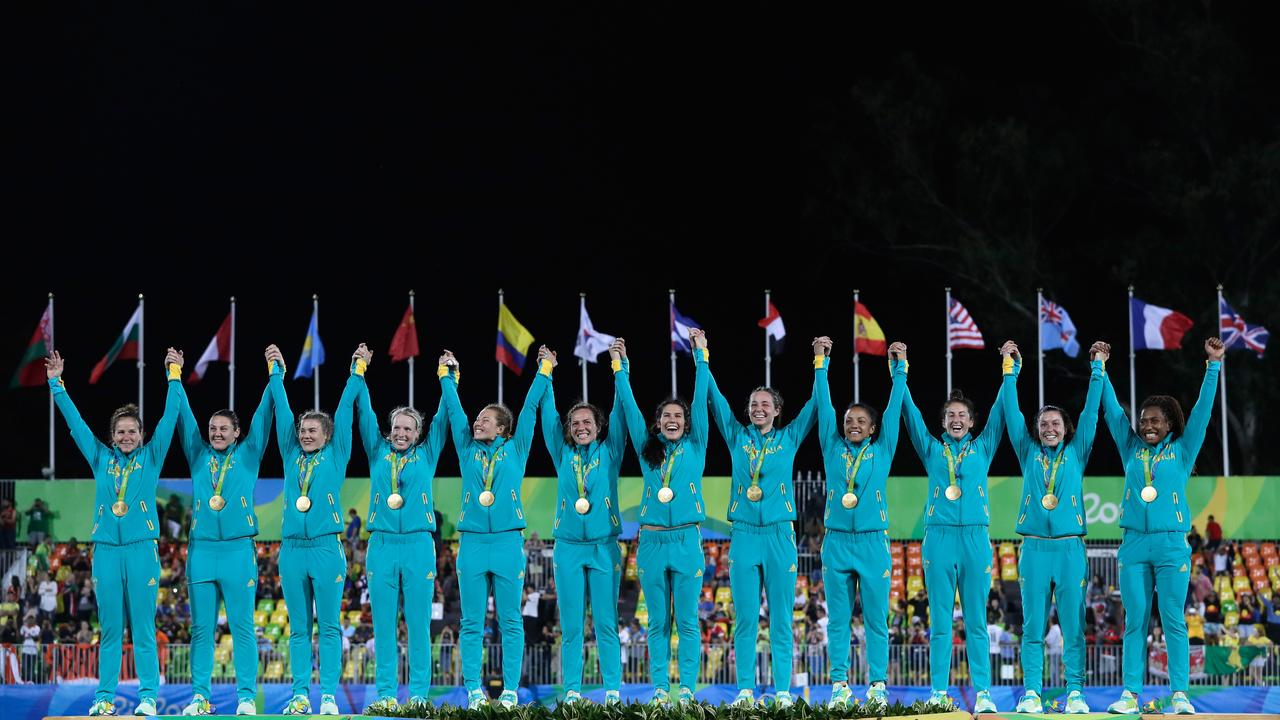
868	338
513	340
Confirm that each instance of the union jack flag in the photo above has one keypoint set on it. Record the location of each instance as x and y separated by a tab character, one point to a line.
1238	334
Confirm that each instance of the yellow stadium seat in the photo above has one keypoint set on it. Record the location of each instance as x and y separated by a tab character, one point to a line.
1240	584
915	584
274	671
226	640
724	594
259	618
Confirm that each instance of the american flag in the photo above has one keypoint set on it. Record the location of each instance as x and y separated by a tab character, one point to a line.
1239	335
962	332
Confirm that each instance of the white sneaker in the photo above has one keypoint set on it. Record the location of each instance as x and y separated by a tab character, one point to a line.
476	699
938	700
984	704
783	699
328	705
247	707
1076	704
1181	705
746	698
1030	703
508	699
1126	705
198	706
877	696
146	706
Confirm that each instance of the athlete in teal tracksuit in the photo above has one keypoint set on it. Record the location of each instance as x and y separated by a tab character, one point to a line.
1158	461
587	559
221	559
313	565
957	543
1052	523
762	510
402	552
126	564
492	455
856	458
669	561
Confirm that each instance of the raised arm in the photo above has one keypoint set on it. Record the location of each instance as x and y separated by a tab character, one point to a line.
1198	421
286	436
1087	428
616	442
890	421
551	434
84	438
994	429
1015	422
175	398
367	419
828	430
523	436
450	375
438	431
345	414
699	425
916	429
189	435
720	411
259	432
1117	422
636	426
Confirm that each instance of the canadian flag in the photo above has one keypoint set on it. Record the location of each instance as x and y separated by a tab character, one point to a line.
219	350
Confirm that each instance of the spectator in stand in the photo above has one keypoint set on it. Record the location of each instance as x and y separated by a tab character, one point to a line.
1201	586
1221	559
1271	616
1214	532
48	591
1053	651
30	633
84	635
353	528
1110	634
38	517
174	515
8	525
919	606
8	633
1195	627
1194	540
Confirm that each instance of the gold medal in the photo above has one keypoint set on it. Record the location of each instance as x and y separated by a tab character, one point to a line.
487	498
1149	494
954	492
665	495
754	493
849	500
1049	501
217	502
583	506
303	503
395	500
119	508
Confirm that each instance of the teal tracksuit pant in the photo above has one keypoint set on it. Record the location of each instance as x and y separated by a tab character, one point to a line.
957	556
670	564
1060	561
1154	561
402	562
595	569
313	572
861	557
763	555
491	560
126	578
226	570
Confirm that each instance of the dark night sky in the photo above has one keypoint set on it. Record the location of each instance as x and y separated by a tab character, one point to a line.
198	151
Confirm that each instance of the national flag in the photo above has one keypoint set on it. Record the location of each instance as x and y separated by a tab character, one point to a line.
680	331
1056	329
125	347
404	344
868	338
1156	328
590	341
962	331
773	329
513	340
219	350
30	372
1238	334
312	349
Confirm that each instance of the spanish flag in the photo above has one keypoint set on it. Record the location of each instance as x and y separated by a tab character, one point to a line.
513	340
868	338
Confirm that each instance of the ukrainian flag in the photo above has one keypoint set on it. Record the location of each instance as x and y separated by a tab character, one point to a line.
312	350
513	340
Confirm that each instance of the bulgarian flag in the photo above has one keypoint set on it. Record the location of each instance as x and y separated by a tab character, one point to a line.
126	346
30	371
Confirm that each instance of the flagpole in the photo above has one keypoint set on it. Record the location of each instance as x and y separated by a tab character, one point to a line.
412	312
1133	381
1040	347
49	471
768	354
315	368
231	367
671	323
947	334
1222	387
141	335
856	385
500	304
582	309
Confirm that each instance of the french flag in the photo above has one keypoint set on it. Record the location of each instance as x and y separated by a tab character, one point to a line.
1156	328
